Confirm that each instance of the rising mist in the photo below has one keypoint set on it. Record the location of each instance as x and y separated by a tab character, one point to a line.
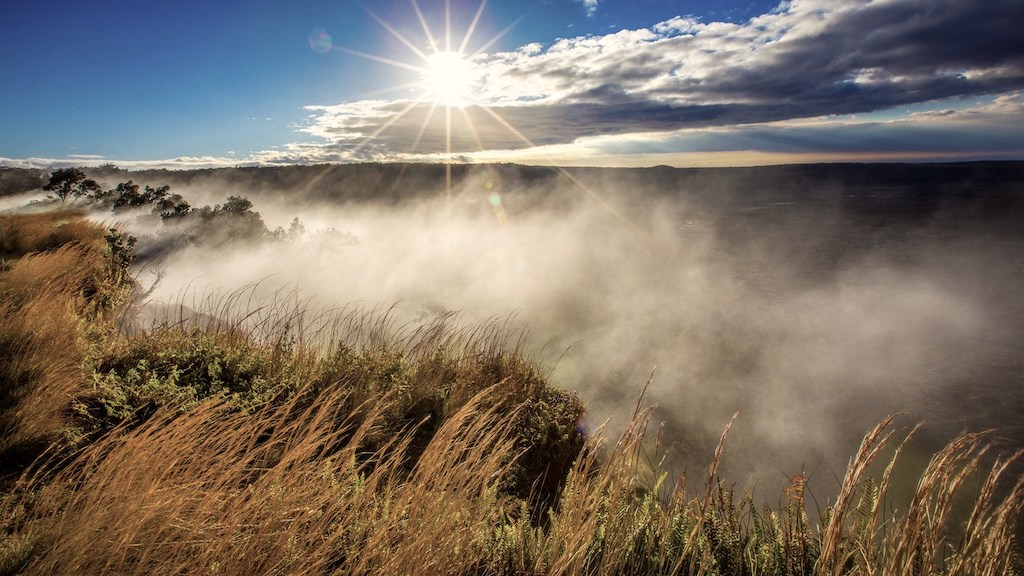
810	302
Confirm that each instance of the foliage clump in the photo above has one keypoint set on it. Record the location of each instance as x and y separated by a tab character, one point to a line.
67	183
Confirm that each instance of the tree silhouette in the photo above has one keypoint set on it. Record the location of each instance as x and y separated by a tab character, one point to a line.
171	207
127	196
236	205
236	220
70	182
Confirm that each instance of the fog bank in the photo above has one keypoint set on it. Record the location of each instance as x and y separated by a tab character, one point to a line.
811	318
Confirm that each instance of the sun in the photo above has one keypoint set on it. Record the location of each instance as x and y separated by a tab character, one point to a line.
449	79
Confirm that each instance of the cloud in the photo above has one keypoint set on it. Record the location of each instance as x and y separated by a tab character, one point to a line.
685	86
995	112
994	127
179	163
821	57
590	6
805	59
989	128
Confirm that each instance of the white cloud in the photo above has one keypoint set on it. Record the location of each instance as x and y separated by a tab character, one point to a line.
590	6
677	25
89	160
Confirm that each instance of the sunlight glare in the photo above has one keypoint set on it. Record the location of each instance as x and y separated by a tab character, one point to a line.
449	79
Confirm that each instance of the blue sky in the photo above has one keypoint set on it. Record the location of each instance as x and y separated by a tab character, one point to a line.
573	82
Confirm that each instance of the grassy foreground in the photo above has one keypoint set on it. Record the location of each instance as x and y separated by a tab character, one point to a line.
232	441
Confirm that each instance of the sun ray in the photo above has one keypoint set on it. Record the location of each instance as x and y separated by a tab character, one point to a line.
472	27
383	60
447	25
472	129
497	37
476	138
448	152
508	126
391	121
426	29
396	34
388	89
423	128
572	177
415	144
448	105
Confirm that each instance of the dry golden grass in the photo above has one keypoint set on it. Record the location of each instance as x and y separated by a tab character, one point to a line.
291	490
284	491
40	368
42	297
61	273
24	233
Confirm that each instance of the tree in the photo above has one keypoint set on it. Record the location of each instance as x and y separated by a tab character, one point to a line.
127	196
236	205
172	207
236	220
70	182
296	230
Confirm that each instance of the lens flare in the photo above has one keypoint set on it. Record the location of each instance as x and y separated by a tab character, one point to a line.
320	41
499	210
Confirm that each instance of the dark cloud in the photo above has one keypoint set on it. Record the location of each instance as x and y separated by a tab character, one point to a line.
915	37
550	125
917	52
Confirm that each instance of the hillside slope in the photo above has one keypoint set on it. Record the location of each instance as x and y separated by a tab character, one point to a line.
235	443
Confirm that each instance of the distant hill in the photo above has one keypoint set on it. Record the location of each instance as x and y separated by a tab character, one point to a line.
20	180
902	191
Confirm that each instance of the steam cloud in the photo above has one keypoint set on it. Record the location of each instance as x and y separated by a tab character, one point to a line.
810	322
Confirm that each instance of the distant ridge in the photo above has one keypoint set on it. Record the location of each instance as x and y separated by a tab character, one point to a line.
397	182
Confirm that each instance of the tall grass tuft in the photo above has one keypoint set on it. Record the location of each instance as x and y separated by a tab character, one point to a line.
289	489
45	297
24	233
